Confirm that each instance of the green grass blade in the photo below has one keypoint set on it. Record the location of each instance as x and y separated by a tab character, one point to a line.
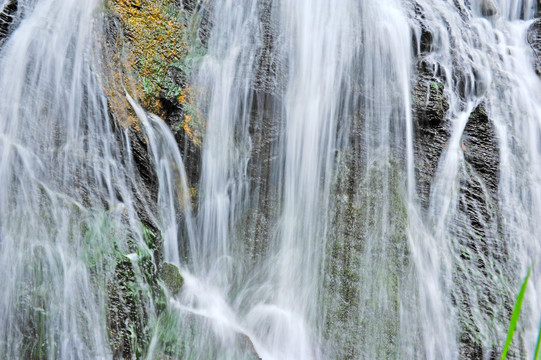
536	356
515	316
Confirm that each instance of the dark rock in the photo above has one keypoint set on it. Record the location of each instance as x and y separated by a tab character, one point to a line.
478	233
426	39
6	17
488	8
174	116
204	12
126	316
266	128
476	225
271	65
534	39
432	133
430	104
187	5
482	148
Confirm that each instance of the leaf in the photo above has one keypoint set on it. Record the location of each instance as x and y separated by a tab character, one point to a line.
515	315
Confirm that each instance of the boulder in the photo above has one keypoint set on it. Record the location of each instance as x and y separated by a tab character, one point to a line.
170	275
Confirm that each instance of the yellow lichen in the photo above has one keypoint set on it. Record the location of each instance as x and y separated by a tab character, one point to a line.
192	124
154	40
113	87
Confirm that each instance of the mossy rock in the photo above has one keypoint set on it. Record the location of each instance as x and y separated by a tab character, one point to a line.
170	275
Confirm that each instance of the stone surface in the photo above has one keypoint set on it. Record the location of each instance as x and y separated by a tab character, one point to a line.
534	38
476	224
6	17
488	8
432	133
170	275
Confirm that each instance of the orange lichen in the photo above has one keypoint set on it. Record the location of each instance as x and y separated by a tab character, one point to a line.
155	39
192	123
113	87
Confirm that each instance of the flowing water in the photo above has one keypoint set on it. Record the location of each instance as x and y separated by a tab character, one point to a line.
313	238
69	190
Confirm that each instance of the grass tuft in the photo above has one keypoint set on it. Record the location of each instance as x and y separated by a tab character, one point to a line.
515	316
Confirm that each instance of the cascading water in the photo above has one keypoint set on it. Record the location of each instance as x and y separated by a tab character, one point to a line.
336	218
68	223
58	169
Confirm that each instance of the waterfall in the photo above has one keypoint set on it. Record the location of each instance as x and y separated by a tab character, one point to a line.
70	198
370	186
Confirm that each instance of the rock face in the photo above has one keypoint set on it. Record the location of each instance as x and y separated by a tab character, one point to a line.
126	314
475	226
429	109
136	31
479	239
149	52
534	38
6	17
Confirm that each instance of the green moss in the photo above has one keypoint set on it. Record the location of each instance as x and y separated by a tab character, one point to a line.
367	259
170	275
156	57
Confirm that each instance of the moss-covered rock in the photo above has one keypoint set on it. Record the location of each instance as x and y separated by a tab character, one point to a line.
368	254
170	275
149	43
150	49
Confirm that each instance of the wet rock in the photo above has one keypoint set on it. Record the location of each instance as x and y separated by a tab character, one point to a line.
174	114
488	8
481	148
126	316
163	89
170	275
476	225
271	72
477	231
432	133
6	17
266	129
125	120
204	11
430	103
534	39
426	39
187	5
246	344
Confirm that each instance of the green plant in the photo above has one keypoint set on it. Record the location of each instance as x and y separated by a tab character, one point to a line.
436	85
536	356
515	316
